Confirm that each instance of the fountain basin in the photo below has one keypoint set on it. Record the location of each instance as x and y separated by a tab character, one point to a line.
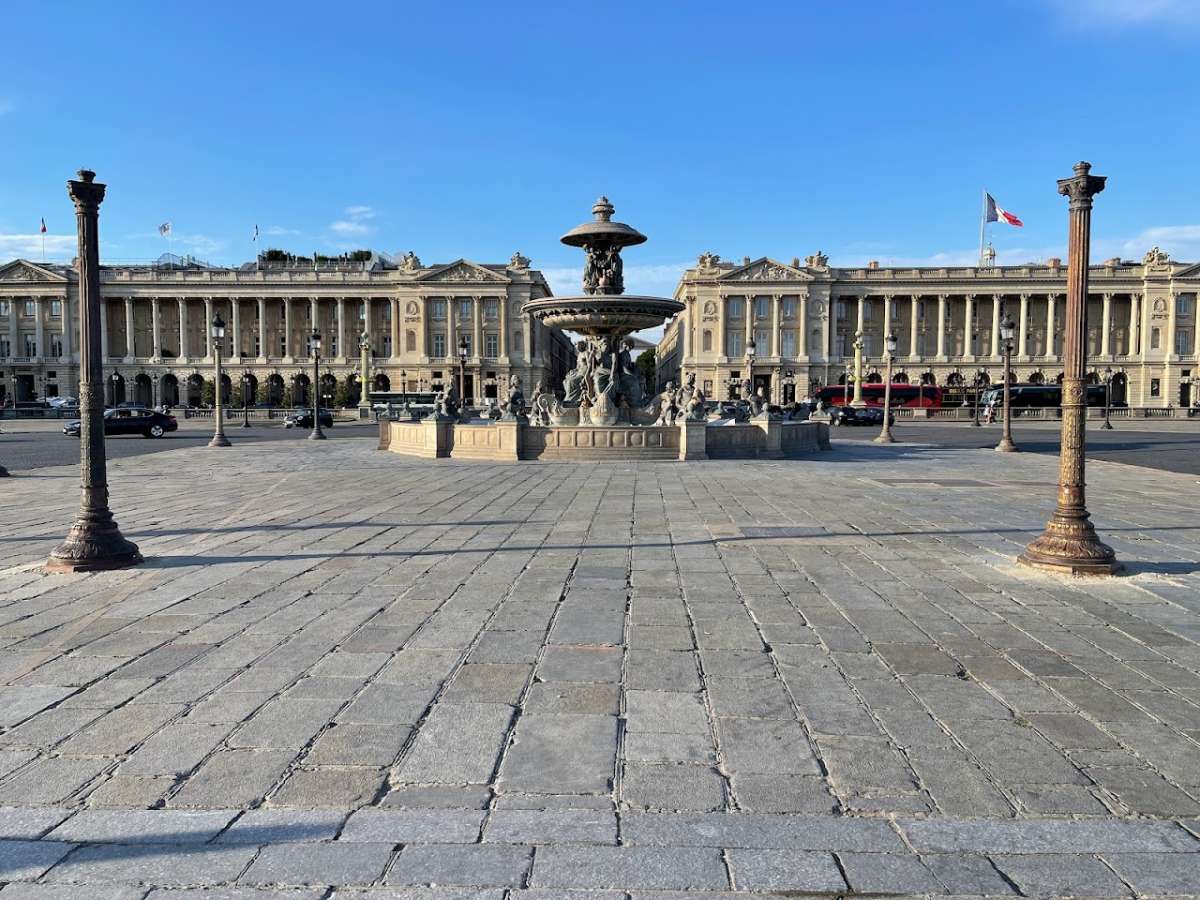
599	315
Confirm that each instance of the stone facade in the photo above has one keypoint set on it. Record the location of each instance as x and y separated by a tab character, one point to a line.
1142	323
156	335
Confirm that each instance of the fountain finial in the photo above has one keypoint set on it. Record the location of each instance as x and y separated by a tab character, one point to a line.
603	210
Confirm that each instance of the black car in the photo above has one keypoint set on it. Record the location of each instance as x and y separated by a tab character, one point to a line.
139	420
865	415
304	419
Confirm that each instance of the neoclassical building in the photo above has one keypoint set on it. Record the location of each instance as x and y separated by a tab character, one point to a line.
803	319
156	335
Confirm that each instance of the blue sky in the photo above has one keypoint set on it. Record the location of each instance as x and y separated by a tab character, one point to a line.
864	129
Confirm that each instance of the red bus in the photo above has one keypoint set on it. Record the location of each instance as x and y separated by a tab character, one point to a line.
925	395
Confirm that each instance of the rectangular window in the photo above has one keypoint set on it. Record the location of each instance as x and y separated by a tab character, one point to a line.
29	307
56	345
464	309
706	342
387	345
257	345
1155	387
491	309
735	343
1183	341
4	307
1154	338
439	345
762	342
469	340
5	349
708	387
761	307
491	345
56	307
437	309
30	345
283	345
1185	305
735	307
789	307
788	343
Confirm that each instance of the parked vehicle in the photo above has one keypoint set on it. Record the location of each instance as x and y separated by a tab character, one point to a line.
145	422
305	420
62	402
928	396
1043	395
867	415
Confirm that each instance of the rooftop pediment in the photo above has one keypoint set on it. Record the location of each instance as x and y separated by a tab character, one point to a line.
463	272
23	270
766	270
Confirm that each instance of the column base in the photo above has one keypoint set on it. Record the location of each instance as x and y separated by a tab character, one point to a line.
93	547
1006	446
219	441
1070	547
885	438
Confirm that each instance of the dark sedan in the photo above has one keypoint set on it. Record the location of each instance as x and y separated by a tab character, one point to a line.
304	419
145	422
866	415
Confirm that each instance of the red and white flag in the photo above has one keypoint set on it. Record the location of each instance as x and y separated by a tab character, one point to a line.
43	226
995	214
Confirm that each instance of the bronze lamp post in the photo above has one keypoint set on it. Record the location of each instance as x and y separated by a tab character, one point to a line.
1006	444
94	541
463	351
1108	377
317	434
218	335
885	433
1069	543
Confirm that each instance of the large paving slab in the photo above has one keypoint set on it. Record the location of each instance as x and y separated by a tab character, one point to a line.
340	670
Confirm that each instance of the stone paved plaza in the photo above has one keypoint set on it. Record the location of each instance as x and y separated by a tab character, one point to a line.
344	674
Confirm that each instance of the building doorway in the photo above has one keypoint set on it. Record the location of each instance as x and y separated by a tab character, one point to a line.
25	390
762	387
143	390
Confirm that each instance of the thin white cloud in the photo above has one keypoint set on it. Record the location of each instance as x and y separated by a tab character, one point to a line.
278	231
1180	241
29	246
355	222
1110	13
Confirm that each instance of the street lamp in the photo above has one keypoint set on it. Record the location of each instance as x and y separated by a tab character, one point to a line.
1108	376
1006	444
218	334
115	378
885	433
978	382
316	434
245	400
463	350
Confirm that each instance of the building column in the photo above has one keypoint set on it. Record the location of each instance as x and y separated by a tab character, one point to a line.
776	347
155	329
748	308
1050	325
104	348
39	328
1023	332
914	307
366	320
340	329
802	312
477	326
130	341
941	327
208	317
13	335
722	318
394	306
504	326
1135	322
862	303
263	350
314	316
452	329
181	309
288	349
67	327
996	301
1106	325
968	324
236	303
1169	343
887	323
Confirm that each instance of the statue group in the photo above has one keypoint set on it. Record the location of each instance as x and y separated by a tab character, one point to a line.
605	377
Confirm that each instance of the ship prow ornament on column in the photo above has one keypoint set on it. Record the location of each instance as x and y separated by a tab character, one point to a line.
1069	544
94	543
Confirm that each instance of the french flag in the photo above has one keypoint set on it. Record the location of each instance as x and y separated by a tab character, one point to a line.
996	214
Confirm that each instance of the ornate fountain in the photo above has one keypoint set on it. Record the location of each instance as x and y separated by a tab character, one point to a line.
605	387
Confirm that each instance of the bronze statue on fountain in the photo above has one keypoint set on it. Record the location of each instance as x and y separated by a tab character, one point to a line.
605	386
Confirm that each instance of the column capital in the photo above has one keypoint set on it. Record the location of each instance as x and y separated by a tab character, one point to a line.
1107	296
1082	186
1025	297
998	296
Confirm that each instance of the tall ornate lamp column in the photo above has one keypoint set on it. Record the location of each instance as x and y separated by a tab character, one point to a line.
317	434
245	399
218	335
1069	543
858	367
1108	376
364	386
94	541
885	433
1006	444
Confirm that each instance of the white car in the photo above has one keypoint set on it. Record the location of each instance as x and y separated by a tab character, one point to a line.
62	402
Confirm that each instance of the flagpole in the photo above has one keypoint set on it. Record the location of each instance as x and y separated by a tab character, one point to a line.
982	225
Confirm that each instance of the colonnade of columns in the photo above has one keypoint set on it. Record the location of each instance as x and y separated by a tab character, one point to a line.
45	322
